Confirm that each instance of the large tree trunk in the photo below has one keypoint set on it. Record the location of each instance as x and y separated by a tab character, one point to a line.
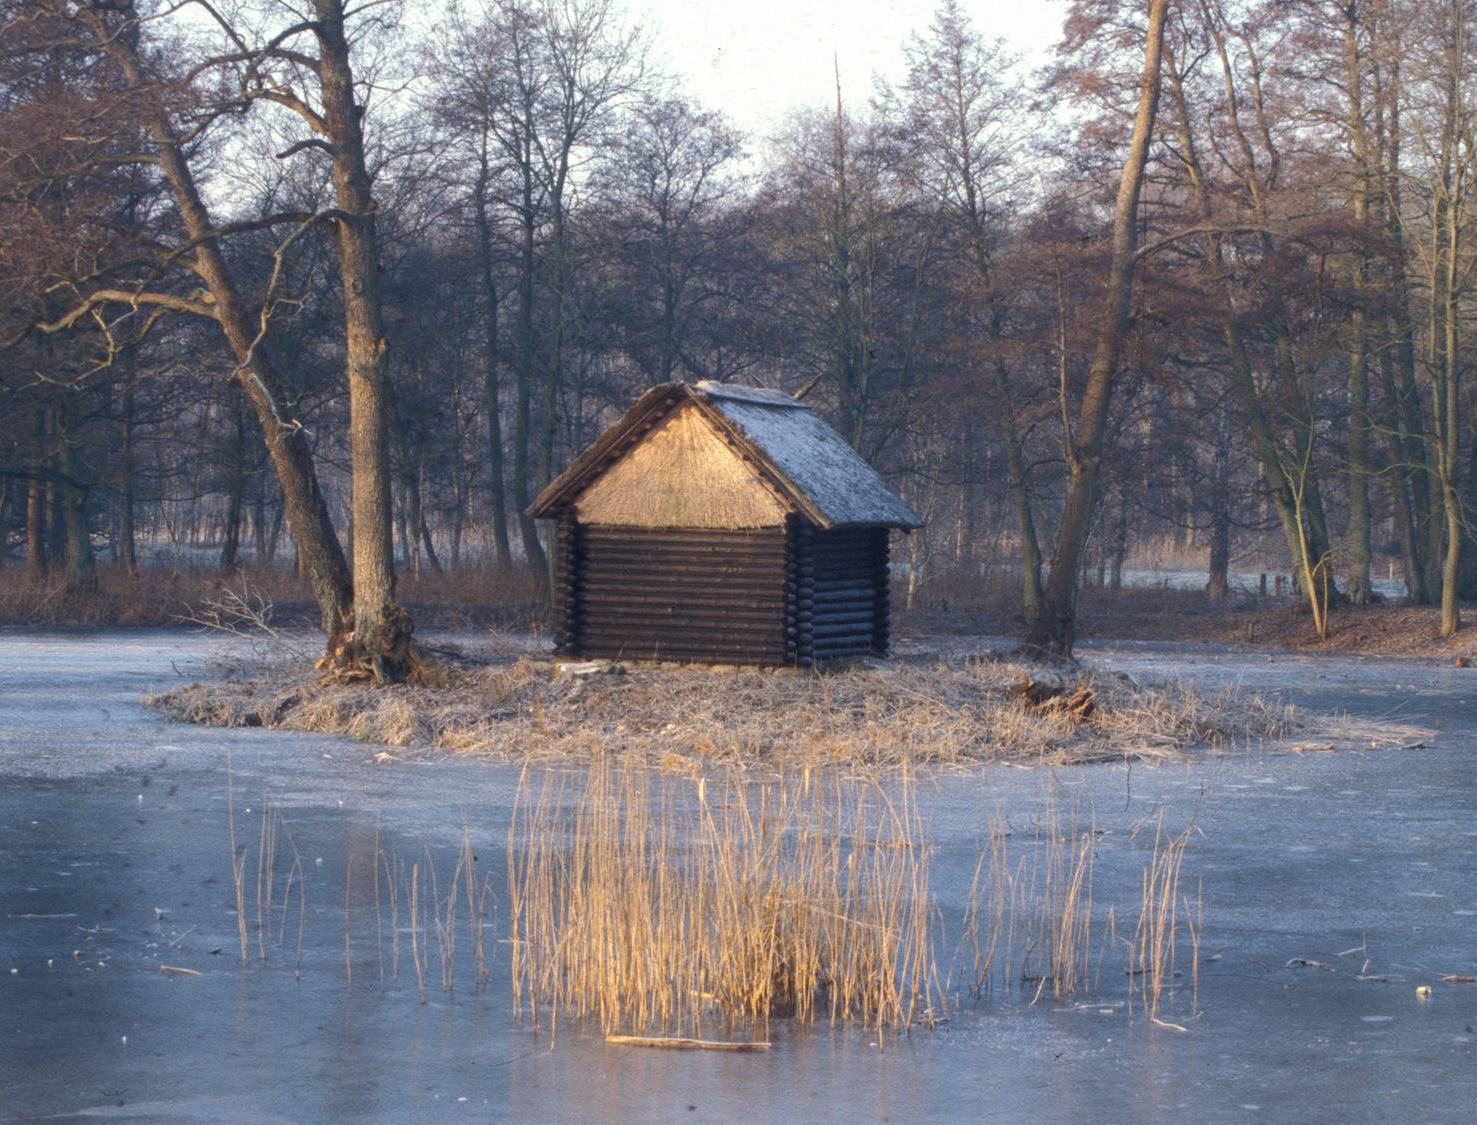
35	531
554	373
56	517
1415	492
1446	234
1020	497
382	630
1218	582
286	440
1358	541
127	534
81	565
1055	629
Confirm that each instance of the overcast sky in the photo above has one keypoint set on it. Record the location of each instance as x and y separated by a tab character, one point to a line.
758	59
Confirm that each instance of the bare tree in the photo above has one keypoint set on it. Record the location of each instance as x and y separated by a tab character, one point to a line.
959	128
1055	628
114	32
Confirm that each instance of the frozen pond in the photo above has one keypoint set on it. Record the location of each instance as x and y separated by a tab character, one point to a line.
113	835
1245	581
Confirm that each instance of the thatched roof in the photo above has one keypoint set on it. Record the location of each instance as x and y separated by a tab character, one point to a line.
789	450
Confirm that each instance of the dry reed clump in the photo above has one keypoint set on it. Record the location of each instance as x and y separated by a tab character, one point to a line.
652	903
644	902
683	715
276	861
1029	919
415	911
1030	922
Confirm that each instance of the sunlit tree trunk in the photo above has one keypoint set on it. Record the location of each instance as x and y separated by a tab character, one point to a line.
1449	187
1055	629
382	630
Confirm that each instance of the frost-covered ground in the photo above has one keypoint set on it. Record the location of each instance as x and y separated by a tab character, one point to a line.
114	859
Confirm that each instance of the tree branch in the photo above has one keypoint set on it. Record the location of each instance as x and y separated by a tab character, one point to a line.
1158	244
193	306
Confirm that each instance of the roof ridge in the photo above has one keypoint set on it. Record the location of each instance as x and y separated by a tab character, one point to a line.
744	392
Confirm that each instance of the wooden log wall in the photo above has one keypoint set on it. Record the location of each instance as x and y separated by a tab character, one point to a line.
567	568
663	594
840	583
793	642
882	587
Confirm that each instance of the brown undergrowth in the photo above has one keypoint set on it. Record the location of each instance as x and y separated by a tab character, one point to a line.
455	599
518	707
971	605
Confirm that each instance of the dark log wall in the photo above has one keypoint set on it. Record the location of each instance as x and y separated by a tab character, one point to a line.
566	589
840	597
663	594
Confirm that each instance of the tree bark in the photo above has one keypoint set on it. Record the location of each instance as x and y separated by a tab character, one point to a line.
81	566
1445	361
1358	540
382	630
533	551
1020	496
1055	630
127	501
1218	582
1414	490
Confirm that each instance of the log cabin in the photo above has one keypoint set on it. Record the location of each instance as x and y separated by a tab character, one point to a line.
722	524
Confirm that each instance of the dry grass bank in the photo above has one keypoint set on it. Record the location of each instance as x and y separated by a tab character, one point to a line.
972	605
519	708
1376	630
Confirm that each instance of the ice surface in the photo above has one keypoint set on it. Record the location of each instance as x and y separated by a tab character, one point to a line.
108	814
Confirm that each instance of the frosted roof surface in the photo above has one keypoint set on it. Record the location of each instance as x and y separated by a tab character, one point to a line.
813	456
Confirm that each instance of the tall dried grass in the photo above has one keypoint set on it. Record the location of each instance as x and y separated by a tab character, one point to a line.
1029	918
646	901
276	858
660	903
1164	917
430	915
643	902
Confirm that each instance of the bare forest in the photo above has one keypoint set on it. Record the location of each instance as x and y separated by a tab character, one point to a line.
334	289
